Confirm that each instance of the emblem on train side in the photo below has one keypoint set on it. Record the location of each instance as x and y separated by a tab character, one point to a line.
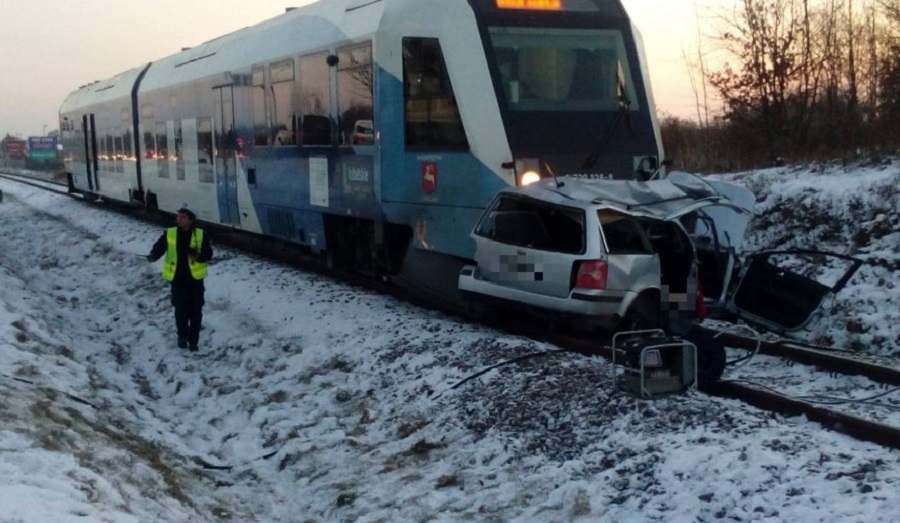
429	176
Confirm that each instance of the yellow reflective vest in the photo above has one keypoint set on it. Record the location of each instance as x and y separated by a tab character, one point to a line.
198	270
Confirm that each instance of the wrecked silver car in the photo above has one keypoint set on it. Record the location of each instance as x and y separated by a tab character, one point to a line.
624	255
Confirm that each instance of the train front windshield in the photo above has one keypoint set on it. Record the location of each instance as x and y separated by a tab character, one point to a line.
570	85
549	69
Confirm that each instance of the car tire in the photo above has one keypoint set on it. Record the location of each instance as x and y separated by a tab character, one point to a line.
643	314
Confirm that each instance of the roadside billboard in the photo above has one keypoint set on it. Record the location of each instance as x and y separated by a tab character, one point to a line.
14	148
42	147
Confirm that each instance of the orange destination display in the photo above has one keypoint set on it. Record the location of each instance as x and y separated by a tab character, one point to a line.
544	5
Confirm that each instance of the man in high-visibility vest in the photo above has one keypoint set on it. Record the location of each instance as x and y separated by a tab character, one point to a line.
187	251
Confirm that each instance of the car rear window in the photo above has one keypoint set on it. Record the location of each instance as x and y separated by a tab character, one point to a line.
531	223
623	233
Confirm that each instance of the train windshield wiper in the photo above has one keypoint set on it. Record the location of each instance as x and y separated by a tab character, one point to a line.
623	114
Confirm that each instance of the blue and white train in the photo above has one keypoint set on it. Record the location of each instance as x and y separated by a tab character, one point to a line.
372	131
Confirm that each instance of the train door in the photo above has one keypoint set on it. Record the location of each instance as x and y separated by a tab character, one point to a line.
88	155
92	161
226	168
314	121
357	132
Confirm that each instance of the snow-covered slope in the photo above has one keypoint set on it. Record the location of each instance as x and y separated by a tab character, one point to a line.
328	403
849	209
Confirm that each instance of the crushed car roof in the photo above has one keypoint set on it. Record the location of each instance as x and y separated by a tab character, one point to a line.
663	199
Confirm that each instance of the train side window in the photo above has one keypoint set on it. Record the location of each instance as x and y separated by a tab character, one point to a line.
314	120
281	77
127	139
118	154
260	113
73	141
431	114
205	149
101	150
179	151
355	83
147	132
162	150
128	145
110	150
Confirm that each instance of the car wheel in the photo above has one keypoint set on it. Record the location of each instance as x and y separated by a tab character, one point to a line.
642	315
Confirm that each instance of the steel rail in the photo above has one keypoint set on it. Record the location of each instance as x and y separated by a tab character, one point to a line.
856	427
35	181
834	361
853	426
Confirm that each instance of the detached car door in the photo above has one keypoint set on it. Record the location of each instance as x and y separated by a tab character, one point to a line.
784	291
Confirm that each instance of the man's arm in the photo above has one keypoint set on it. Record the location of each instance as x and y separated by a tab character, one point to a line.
159	248
206	252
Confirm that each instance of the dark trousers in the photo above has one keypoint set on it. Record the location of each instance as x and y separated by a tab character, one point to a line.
187	298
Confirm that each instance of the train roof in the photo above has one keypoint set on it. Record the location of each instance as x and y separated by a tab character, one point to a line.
117	87
307	28
301	29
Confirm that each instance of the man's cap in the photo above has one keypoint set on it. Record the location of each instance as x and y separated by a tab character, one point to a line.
187	212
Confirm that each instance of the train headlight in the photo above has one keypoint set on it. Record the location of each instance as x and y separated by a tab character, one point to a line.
529	178
528	171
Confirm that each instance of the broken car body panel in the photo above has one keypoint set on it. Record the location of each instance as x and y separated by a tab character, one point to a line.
729	222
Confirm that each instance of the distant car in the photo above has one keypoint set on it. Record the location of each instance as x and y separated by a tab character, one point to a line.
624	255
363	133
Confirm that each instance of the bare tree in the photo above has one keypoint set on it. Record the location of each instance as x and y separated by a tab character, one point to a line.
805	78
764	37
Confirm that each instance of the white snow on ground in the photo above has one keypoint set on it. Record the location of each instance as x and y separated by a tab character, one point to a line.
329	403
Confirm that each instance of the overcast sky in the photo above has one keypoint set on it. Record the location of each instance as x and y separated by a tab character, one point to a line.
52	47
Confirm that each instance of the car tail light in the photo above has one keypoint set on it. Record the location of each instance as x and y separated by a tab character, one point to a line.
701	303
592	274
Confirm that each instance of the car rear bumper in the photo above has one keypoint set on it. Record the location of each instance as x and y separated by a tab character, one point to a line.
585	302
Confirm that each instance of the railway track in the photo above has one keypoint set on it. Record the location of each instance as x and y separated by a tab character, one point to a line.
878	379
826	358
853	409
34	180
825	361
271	249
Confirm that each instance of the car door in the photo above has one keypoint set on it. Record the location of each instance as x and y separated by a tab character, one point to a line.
717	231
708	221
784	291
